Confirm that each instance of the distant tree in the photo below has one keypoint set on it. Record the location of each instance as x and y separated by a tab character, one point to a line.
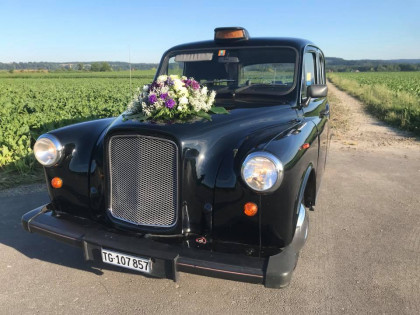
95	67
105	67
407	67
381	68
80	66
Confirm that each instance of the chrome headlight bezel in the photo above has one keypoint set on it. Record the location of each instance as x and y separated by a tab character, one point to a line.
277	165
50	140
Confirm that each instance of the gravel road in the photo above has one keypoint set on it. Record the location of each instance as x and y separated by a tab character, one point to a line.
362	256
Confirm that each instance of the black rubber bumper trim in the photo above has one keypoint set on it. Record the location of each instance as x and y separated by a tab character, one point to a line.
167	259
219	270
274	272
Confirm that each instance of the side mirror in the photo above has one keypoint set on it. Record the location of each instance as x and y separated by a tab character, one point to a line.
317	90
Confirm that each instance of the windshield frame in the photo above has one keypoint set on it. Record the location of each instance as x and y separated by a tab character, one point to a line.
171	53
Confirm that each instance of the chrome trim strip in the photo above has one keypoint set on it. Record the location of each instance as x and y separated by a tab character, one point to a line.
302	227
219	270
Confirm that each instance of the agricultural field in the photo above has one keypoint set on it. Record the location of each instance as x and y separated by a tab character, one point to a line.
34	103
393	97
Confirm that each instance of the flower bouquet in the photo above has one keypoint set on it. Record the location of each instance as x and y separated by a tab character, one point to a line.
173	98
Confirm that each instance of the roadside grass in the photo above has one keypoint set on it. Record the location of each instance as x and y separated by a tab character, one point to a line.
397	108
340	116
12	178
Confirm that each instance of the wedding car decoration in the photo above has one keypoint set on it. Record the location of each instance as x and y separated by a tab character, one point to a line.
171	97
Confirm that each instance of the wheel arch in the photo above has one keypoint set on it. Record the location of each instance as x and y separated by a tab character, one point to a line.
309	195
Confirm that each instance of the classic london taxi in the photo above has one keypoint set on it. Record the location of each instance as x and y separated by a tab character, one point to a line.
224	197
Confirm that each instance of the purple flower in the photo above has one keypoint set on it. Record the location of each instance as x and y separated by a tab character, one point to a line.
169	81
164	96
152	98
192	83
155	85
170	103
195	85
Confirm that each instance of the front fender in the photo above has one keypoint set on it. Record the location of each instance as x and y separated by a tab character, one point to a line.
274	225
279	210
79	141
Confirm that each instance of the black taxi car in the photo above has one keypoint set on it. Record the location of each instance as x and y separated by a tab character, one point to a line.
224	198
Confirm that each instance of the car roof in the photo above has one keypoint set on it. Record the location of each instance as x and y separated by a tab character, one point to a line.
296	43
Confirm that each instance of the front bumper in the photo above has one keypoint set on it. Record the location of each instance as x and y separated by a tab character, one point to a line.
168	260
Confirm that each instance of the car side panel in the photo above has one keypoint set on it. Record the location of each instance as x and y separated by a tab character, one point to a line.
315	112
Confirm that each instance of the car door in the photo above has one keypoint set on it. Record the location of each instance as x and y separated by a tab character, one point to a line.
325	136
317	109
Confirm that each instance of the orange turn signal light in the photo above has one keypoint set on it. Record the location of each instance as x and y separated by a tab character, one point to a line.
57	182
305	146
250	209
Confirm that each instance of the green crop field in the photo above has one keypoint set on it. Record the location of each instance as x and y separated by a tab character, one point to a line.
393	97
34	103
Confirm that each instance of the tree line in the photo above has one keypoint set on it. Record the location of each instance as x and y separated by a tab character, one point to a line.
332	63
77	66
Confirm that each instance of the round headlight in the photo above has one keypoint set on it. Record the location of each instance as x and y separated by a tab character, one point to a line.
262	171
48	150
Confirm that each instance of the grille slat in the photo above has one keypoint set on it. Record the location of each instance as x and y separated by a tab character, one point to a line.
143	180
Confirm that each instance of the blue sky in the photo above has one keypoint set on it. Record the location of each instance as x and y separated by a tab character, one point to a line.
105	30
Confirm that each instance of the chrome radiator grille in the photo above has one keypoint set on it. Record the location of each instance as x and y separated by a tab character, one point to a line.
143	180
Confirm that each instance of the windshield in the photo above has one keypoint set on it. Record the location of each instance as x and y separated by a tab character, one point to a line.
237	70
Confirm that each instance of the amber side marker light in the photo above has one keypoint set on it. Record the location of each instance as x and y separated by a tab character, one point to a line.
250	209
305	146
226	33
57	182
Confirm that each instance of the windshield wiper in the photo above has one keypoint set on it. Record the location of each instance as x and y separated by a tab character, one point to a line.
216	81
246	87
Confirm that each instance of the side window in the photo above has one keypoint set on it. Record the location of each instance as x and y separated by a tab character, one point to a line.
175	67
321	69
309	72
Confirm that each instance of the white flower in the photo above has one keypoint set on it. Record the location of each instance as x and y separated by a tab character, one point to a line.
183	100
145	88
164	89
171	94
162	78
183	91
178	84
159	104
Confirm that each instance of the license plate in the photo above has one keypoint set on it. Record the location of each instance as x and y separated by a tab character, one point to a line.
126	261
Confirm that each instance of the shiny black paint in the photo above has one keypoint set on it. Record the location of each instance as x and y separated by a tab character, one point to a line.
317	110
78	141
211	155
203	144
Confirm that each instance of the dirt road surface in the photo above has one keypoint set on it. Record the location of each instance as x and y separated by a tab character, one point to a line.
362	256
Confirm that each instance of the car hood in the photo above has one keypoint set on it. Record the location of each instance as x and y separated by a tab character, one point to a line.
209	140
